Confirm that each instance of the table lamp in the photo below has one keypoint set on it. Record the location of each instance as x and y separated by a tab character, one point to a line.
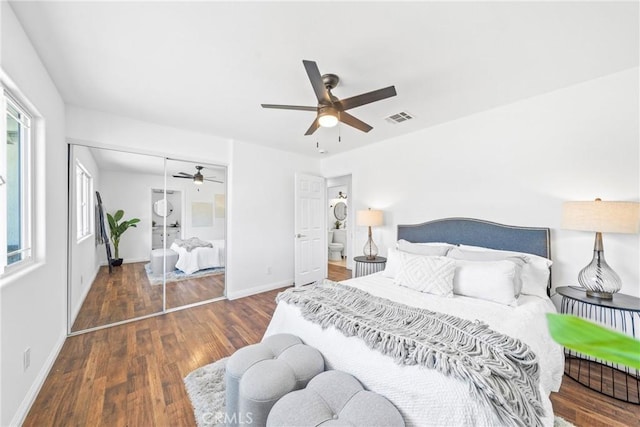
369	218
598	278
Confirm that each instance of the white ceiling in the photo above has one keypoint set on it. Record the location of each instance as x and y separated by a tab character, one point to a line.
207	66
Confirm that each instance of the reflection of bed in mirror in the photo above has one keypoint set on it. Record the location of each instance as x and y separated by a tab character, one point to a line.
195	254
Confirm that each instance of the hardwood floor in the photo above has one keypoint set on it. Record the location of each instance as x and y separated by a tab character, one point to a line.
338	273
195	290
131	375
126	293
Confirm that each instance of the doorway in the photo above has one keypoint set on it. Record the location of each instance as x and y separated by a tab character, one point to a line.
340	223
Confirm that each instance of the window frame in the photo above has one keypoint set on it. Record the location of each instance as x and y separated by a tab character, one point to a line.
85	208
27	180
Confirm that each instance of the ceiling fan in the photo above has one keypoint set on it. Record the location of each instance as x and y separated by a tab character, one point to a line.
197	178
331	110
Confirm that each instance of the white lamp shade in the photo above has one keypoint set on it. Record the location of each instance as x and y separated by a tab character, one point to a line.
369	218
604	217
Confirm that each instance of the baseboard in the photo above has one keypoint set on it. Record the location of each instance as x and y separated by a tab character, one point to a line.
128	261
259	289
132	260
25	406
76	309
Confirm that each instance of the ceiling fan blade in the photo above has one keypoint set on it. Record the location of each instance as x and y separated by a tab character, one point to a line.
214	180
182	176
314	126
316	81
348	119
289	107
367	98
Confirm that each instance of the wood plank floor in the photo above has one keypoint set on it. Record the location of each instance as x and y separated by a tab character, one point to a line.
131	375
126	293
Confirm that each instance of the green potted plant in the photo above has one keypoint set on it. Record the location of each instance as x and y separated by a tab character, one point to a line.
117	228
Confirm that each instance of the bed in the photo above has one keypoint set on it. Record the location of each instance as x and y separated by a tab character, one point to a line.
193	259
426	396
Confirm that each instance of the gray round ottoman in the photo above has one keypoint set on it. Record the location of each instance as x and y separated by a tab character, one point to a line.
260	374
334	398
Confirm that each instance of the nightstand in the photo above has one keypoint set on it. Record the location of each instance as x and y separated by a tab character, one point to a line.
365	266
621	313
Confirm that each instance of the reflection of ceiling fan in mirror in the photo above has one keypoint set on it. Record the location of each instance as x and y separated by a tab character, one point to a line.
197	178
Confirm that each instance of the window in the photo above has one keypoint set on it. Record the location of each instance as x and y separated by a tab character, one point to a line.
15	177
84	205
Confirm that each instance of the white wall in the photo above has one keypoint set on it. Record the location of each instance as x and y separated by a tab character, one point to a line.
261	224
106	130
516	165
131	192
33	304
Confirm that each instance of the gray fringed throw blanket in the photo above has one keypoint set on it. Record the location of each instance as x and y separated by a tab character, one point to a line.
192	243
502	372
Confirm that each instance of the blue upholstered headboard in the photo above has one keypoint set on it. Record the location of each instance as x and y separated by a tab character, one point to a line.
475	232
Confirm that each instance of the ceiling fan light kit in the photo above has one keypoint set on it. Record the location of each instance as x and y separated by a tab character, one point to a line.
328	117
331	110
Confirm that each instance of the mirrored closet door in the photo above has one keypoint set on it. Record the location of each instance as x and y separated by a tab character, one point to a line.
194	233
146	235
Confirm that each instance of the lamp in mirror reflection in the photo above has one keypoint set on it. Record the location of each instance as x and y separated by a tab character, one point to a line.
598	278
370	218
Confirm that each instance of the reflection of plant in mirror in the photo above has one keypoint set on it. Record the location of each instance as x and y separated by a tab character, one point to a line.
594	340
118	228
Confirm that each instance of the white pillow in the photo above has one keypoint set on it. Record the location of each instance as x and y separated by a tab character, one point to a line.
393	263
535	272
430	274
488	280
518	260
433	249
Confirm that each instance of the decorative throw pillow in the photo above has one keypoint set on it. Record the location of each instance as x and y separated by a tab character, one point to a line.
518	260
433	249
488	280
393	263
535	272
430	274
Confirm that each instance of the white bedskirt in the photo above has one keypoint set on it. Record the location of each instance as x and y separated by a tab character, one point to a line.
424	396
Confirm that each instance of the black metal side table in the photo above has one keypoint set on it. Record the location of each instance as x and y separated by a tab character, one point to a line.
365	266
621	313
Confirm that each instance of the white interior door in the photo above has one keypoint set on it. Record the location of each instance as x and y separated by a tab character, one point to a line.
310	230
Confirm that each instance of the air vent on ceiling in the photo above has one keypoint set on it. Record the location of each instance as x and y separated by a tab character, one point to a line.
400	117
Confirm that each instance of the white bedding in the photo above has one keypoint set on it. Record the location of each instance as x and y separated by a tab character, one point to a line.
423	396
200	258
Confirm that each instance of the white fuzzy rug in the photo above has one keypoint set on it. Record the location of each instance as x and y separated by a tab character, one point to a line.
205	387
